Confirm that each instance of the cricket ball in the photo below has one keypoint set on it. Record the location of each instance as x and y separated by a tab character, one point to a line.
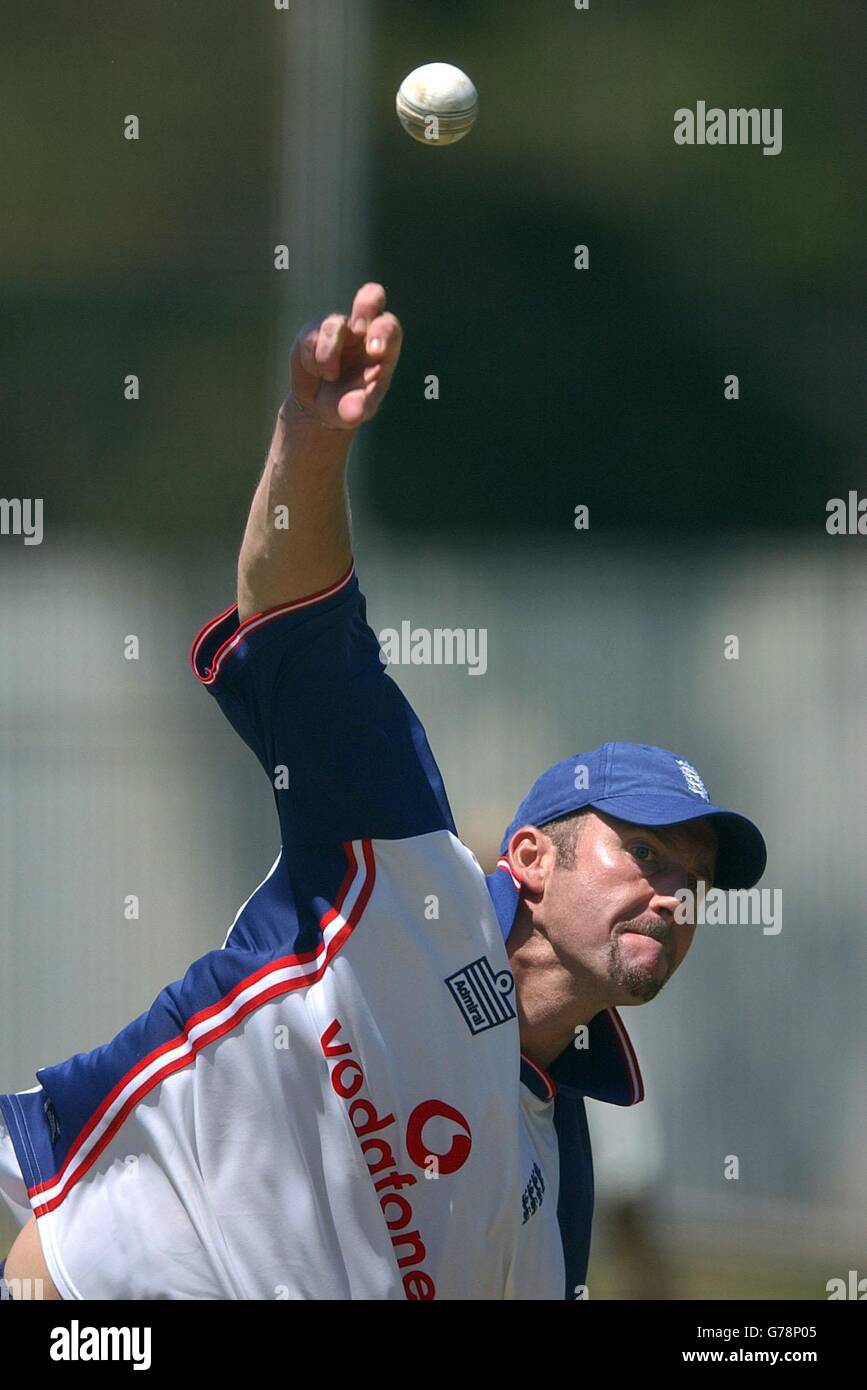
437	104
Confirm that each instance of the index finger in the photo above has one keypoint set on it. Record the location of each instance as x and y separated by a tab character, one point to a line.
368	304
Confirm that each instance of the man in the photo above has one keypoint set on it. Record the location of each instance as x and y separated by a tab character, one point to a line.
374	1090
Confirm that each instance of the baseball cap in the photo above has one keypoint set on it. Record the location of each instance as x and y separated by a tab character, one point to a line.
648	786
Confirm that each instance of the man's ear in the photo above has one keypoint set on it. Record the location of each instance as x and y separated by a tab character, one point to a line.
530	853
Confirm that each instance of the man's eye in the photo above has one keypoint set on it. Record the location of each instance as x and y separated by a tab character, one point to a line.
639	850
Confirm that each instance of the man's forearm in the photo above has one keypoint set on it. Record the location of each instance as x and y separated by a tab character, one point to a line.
297	539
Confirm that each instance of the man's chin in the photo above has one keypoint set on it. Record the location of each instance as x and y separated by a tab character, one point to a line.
640	987
641	982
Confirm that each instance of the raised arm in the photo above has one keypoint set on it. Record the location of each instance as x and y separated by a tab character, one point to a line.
295	667
297	541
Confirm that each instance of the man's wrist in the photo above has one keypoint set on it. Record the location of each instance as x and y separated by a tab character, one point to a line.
294	413
299	434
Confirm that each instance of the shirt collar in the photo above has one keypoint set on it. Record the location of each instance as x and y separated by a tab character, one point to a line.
607	1069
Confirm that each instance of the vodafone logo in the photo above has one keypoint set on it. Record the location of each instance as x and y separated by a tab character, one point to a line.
438	1140
421	1151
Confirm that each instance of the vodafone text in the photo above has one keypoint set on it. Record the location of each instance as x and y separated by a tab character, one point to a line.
347	1079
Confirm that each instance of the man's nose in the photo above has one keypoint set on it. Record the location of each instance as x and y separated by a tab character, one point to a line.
665	899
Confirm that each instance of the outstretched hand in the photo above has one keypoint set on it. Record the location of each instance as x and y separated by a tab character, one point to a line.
341	367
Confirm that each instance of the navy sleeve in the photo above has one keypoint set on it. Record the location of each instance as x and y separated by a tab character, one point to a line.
305	687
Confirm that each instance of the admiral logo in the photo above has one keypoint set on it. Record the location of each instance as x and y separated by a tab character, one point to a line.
347	1079
482	995
533	1193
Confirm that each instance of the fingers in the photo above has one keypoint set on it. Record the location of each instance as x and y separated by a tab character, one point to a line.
329	346
384	339
319	347
304	348
384	342
363	399
352	405
368	304
355	354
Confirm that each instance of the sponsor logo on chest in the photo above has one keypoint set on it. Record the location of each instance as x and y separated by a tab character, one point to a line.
482	994
375	1134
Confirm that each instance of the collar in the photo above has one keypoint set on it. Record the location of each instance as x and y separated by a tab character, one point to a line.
607	1069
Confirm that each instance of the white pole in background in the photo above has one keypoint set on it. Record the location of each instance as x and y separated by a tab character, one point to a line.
323	204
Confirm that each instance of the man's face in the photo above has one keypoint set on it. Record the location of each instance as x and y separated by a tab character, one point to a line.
612	915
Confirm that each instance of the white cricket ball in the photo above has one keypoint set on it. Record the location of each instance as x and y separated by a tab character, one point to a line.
437	104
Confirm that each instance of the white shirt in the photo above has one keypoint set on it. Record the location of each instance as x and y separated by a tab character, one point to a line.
334	1105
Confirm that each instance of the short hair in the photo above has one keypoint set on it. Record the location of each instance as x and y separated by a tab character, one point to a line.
564	832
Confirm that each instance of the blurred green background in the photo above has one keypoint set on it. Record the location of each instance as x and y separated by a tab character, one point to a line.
558	387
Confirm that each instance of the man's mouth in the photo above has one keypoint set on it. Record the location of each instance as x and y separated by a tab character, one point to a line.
646	936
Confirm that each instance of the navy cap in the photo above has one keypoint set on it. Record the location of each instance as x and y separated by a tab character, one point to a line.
647	786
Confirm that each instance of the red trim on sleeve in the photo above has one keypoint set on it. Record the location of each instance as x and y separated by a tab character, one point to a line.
209	675
289	973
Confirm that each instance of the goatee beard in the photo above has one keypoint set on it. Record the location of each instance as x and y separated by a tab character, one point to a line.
641	982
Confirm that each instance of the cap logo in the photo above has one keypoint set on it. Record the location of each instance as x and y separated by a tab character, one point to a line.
692	779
